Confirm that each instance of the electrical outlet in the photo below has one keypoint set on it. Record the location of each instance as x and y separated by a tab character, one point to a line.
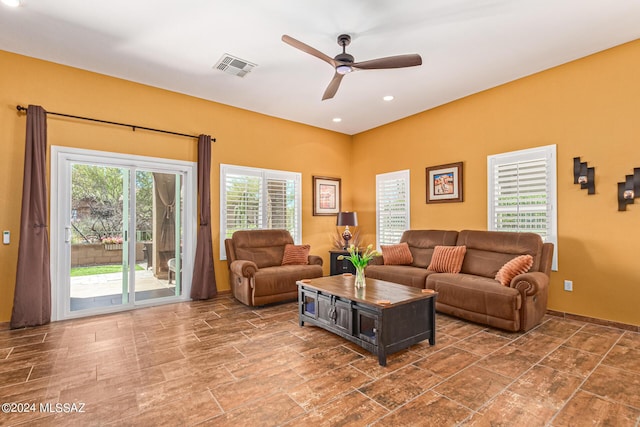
568	285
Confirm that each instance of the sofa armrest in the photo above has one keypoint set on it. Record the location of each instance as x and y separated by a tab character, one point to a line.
530	283
243	268
315	260
377	260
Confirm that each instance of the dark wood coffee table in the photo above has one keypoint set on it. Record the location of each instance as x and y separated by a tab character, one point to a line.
382	318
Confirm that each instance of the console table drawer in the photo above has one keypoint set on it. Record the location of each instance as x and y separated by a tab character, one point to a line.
329	310
340	266
335	313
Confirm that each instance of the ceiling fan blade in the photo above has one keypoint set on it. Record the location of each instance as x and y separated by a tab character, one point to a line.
333	86
400	61
308	49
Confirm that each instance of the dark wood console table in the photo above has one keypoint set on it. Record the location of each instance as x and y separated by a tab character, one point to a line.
382	318
339	266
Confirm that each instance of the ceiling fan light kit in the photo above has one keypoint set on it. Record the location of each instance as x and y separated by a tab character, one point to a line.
344	63
343	69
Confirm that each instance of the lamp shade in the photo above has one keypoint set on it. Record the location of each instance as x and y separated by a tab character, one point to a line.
347	218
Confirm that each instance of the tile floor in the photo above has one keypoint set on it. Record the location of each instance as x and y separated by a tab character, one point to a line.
220	363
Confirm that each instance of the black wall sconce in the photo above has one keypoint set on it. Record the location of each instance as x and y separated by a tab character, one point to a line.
584	175
628	190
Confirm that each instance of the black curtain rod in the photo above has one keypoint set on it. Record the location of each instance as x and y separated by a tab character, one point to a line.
134	127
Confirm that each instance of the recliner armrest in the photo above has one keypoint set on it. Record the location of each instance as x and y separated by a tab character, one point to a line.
244	268
315	260
377	260
530	283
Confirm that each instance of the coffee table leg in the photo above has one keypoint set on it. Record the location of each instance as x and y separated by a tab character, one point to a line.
382	358
432	338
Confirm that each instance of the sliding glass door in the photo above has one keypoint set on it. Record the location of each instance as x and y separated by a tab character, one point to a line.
96	233
123	229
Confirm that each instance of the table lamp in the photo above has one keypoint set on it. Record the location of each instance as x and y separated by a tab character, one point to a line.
346	219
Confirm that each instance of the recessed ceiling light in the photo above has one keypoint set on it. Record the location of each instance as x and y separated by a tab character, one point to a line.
11	3
337	119
388	98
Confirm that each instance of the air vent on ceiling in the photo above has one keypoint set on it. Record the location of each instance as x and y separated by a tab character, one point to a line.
234	66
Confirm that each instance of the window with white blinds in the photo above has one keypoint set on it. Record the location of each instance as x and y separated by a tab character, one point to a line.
522	193
392	206
252	198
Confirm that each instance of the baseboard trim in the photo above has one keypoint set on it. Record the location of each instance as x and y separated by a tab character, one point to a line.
4	326
596	321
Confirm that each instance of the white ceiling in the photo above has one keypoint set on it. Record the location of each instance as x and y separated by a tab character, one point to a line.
466	45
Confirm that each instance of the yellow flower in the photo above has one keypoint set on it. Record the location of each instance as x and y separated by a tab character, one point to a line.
358	258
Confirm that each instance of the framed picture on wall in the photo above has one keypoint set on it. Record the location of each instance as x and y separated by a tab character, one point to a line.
444	183
326	195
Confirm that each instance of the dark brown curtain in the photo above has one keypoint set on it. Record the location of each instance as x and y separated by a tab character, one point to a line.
166	190
204	278
32	297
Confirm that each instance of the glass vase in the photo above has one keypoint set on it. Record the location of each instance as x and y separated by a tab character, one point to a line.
360	279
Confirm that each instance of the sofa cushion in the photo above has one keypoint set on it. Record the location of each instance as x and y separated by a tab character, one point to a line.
296	254
396	254
476	294
422	242
264	247
447	259
402	274
518	265
488	251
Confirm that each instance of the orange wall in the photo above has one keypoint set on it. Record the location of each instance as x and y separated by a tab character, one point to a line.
588	108
243	138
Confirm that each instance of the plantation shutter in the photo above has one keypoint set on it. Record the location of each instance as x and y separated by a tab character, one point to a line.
252	198
242	204
281	201
392	206
520	202
522	193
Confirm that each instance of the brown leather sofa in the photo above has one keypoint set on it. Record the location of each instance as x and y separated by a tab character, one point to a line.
256	275
474	294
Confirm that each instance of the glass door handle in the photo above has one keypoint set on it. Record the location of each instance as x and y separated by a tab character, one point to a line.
67	234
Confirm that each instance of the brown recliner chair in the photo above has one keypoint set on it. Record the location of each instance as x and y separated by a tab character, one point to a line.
256	273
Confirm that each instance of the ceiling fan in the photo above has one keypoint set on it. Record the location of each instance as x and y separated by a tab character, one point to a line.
343	63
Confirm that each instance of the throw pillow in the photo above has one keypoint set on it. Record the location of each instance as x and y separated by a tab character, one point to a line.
296	254
396	254
518	265
447	259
